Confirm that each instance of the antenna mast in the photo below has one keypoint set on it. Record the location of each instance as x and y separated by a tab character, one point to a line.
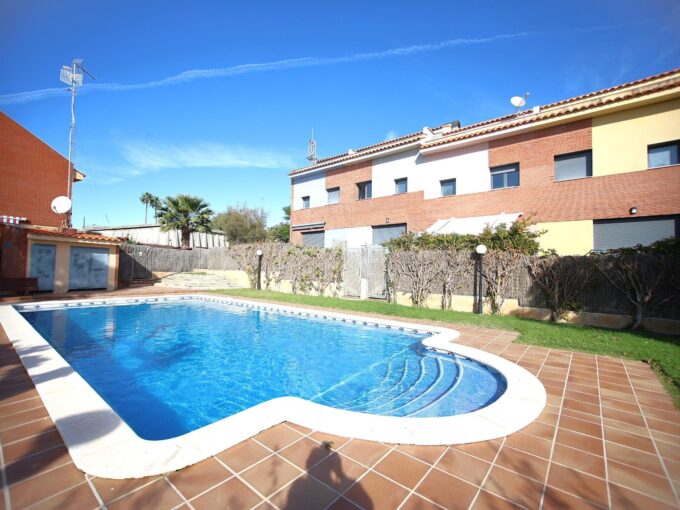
73	76
311	150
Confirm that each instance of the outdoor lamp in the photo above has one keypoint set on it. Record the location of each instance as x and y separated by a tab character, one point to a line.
259	269
481	250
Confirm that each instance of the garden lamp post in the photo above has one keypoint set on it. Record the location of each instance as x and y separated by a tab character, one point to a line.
259	269
481	250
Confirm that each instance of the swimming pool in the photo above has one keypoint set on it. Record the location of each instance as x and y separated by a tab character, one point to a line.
141	386
172	367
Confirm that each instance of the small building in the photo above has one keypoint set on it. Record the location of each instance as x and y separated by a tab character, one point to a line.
153	235
33	240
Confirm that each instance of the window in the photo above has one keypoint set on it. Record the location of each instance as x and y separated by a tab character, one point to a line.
365	190
576	165
506	176
305	202
448	187
400	185
627	232
315	239
383	233
663	154
333	196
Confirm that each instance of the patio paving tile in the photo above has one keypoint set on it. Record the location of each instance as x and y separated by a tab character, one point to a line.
110	490
607	402
579	484
338	472
270	475
79	497
278	437
39	487
402	469
198	478
304	492
233	494
376	492
579	459
514	487
364	452
464	466
243	455
158	495
305	453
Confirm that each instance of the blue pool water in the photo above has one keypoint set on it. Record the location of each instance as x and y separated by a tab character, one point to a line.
169	368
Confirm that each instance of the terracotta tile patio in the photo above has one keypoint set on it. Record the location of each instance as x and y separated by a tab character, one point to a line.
609	437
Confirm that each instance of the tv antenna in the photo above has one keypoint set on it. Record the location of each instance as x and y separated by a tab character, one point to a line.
519	101
311	150
73	76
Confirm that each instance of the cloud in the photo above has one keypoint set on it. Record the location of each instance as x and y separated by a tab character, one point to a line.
279	65
391	135
144	157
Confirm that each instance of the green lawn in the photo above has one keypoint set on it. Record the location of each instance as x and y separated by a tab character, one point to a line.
661	351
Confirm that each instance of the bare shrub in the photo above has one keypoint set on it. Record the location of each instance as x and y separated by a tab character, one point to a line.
457	264
418	270
499	268
636	276
561	280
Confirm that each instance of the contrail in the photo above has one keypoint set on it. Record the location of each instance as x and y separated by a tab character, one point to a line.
278	65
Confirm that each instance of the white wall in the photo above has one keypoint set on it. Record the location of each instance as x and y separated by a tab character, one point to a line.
354	237
469	166
152	234
312	186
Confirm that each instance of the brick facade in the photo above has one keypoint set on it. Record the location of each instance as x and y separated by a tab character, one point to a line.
653	192
32	174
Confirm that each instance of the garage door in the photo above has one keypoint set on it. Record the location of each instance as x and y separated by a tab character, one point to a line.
89	268
623	233
43	259
315	239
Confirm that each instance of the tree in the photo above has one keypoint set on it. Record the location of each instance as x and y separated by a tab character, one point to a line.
281	231
187	214
156	203
147	199
242	224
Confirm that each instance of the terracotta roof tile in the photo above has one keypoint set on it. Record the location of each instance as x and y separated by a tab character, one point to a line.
85	236
513	120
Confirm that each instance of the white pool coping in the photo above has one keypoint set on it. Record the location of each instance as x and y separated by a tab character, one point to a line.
102	444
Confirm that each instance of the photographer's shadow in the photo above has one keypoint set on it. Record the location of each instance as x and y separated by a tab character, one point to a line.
305	492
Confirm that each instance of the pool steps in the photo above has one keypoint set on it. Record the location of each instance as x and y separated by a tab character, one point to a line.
407	389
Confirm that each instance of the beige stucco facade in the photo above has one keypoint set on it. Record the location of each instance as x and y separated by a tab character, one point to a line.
63	259
567	237
620	139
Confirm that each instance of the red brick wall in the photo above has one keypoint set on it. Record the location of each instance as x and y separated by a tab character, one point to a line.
13	252
653	192
32	175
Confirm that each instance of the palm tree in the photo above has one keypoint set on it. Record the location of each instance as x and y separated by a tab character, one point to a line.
187	214
156	204
146	199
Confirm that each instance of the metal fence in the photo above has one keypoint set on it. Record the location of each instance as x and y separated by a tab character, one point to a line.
367	266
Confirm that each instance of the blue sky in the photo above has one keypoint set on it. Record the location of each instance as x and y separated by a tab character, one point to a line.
265	73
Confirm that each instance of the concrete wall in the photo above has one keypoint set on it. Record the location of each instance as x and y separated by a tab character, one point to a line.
152	234
63	262
567	237
620	139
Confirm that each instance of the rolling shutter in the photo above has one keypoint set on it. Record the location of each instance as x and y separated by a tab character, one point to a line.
610	234
386	232
315	239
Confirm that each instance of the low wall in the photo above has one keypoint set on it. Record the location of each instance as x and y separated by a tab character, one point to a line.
460	303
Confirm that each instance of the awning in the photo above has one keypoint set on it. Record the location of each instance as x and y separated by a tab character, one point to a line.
471	224
309	226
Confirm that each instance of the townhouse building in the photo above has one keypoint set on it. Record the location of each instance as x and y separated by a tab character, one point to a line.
596	171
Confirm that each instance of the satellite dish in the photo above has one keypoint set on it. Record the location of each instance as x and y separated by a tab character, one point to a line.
518	101
61	205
